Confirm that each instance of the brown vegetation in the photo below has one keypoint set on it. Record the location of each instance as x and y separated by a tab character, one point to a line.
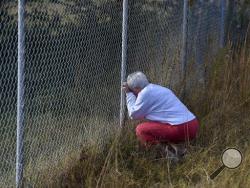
222	107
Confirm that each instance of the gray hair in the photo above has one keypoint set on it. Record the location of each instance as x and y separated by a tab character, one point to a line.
137	80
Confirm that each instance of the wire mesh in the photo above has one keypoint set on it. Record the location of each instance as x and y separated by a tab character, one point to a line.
72	80
154	39
204	35
8	95
72	69
72	73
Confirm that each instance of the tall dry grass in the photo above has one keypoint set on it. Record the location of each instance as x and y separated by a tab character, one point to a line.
222	106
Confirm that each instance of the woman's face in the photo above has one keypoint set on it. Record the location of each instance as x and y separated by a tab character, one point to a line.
136	91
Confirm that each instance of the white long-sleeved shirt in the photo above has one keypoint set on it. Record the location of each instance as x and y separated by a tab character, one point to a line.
157	103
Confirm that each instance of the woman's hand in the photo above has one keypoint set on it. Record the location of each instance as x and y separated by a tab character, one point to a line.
125	87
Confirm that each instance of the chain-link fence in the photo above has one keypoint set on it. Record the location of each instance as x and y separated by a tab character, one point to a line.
73	67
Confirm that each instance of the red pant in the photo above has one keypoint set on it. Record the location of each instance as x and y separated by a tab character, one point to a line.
155	132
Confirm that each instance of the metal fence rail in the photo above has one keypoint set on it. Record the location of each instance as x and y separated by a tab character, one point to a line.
73	69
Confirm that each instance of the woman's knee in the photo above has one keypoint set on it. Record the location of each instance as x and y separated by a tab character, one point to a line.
140	129
143	133
144	130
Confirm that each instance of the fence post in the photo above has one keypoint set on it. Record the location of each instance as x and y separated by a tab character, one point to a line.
20	94
222	23
124	58
184	38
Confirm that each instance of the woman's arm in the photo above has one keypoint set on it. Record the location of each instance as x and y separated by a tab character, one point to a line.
137	107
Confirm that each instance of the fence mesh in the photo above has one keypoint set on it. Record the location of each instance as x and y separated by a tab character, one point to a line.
72	69
203	38
154	39
8	95
72	82
72	77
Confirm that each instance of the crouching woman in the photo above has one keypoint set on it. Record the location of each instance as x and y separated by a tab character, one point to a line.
169	120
